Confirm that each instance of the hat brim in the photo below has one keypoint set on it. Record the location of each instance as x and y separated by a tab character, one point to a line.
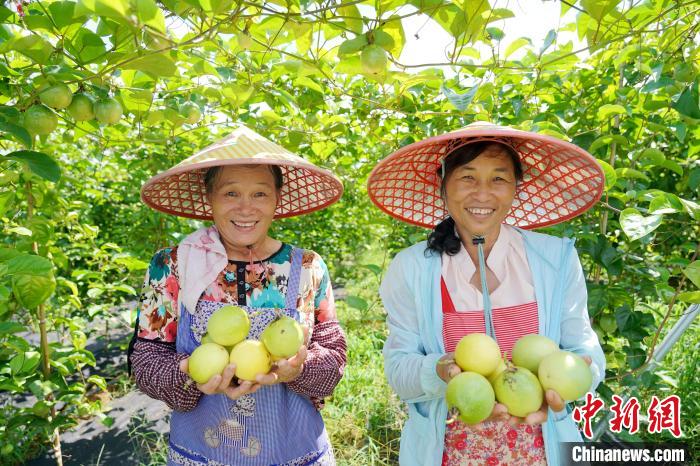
181	191
560	180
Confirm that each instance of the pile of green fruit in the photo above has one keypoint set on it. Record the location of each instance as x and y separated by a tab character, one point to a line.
225	343
487	378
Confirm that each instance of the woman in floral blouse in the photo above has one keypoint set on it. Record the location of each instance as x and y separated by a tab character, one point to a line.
242	183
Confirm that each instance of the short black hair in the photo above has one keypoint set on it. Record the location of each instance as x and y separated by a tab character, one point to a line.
212	174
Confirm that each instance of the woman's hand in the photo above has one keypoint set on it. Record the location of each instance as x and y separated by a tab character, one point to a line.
284	370
221	383
446	367
551	400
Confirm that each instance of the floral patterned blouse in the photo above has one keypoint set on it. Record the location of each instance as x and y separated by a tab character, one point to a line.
263	283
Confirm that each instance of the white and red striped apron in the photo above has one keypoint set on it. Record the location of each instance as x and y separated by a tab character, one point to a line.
491	442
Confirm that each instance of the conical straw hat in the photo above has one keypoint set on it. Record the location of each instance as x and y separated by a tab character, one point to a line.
560	180
181	190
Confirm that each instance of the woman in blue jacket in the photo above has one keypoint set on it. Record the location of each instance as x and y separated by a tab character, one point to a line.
481	189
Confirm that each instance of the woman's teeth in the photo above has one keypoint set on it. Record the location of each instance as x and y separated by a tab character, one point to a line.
480	211
244	224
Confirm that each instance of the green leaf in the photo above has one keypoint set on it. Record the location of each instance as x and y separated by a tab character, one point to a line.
516	45
384	40
39	163
375	269
608	110
606	140
637	226
157	64
610	175
673	166
394	28
631	173
357	302
352	17
692	271
688	103
149	14
29	264
352	45
665	203
692	297
25	362
10	328
34	47
115	9
32	290
131	263
308	83
20	231
62	13
652	156
126	289
21	134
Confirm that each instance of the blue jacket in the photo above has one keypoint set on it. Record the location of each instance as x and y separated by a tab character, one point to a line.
410	292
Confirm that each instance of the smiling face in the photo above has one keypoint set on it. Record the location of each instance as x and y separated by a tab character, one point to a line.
480	193
243	201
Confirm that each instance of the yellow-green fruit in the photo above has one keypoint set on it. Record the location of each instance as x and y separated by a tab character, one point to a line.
566	373
81	108
251	358
207	339
608	323
190	111
501	367
519	390
228	325
472	395
40	120
529	350
58	96
478	352
283	337
206	361
108	111
373	59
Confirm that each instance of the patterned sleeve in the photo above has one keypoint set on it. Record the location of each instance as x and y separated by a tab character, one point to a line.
325	362
154	360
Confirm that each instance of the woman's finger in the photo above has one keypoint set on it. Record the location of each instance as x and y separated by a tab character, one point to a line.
226	377
554	400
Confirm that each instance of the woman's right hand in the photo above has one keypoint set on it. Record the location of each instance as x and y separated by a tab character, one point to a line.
221	383
446	367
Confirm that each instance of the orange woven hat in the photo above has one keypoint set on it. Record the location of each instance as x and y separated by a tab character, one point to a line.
560	180
181	190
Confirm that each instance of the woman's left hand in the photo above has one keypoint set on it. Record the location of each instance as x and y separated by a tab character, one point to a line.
284	370
551	400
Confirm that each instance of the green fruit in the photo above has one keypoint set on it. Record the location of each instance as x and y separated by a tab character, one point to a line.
472	395
207	339
373	59
251	358
206	361
40	120
58	96
108	111
608	323
244	40
501	367
519	389
7	449
191	112
81	108
283	337
566	373
228	325
529	350
478	352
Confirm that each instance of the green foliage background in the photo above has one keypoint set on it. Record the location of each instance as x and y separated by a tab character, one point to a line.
76	238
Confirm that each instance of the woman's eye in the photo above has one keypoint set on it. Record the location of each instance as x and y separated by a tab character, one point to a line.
231	194
260	194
